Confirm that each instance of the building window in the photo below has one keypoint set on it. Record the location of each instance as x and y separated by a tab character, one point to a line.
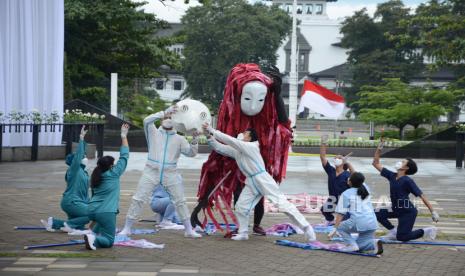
309	9
299	9
159	85
177	85
319	9
302	63
289	8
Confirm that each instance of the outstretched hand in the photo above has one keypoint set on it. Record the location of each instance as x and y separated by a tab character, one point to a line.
171	110
324	139
124	131
381	143
207	129
83	132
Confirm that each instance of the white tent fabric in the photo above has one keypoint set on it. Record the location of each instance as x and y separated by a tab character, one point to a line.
31	62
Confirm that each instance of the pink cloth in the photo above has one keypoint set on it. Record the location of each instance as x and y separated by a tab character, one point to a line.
140	244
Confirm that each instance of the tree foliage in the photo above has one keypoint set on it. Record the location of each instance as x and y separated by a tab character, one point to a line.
222	33
144	106
103	37
372	55
399	104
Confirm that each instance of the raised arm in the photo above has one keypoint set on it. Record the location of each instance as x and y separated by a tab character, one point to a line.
345	159
81	150
190	149
376	163
149	127
323	145
122	163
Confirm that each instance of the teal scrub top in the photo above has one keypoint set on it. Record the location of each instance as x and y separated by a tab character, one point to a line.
105	197
77	179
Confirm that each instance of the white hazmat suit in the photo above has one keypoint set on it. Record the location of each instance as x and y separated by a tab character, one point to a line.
258	182
164	149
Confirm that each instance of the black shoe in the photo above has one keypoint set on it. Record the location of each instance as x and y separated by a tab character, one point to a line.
258	230
378	247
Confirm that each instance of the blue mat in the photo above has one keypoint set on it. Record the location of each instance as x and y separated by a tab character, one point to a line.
71	242
423	243
210	228
32	227
307	246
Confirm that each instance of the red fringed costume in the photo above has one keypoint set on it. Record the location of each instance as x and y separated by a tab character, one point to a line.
274	138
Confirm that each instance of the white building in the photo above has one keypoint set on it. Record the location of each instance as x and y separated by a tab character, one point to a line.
171	86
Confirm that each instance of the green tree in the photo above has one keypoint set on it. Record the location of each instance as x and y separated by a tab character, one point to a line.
372	55
399	104
97	96
437	31
102	37
142	107
222	33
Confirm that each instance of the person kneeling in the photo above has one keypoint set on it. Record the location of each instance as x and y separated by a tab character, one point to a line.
104	204
161	204
357	202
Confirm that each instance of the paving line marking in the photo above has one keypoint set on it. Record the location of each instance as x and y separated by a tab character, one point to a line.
67	266
129	273
174	270
22	269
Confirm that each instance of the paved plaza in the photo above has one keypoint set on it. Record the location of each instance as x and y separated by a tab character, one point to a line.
30	191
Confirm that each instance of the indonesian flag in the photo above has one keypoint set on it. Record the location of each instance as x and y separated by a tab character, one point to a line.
321	100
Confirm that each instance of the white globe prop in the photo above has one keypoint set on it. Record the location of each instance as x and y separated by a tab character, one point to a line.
190	116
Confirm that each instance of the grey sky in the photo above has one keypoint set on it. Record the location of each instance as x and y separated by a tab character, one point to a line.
172	11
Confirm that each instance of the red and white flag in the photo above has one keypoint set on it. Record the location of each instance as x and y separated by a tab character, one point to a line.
321	100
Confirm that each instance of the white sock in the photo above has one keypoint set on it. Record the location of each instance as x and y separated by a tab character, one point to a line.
129	223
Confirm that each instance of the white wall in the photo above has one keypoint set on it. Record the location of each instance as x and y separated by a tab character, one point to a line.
320	34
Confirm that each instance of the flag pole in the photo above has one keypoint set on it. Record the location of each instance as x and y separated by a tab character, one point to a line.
293	72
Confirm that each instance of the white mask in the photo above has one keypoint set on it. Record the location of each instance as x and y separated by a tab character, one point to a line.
337	162
167	123
84	161
398	165
240	136
253	97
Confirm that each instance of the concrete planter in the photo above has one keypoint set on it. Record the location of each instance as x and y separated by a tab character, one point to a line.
18	154
358	152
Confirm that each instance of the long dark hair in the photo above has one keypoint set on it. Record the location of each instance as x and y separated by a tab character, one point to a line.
103	165
356	180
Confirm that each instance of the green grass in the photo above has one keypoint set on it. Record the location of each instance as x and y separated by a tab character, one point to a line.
457	216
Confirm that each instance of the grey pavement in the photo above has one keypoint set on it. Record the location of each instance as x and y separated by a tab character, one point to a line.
30	191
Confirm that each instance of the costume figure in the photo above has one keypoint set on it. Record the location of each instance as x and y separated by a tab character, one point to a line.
251	100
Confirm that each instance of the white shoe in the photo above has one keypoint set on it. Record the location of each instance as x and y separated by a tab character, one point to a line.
193	235
350	248
240	237
125	232
378	247
76	232
166	223
430	233
66	228
48	224
391	235
310	234
90	239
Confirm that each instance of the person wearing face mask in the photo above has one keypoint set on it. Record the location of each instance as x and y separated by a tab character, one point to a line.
401	186
104	204
75	198
337	179
164	149
258	182
357	202
252	99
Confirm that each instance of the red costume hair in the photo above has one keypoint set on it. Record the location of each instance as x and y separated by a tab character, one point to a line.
274	137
